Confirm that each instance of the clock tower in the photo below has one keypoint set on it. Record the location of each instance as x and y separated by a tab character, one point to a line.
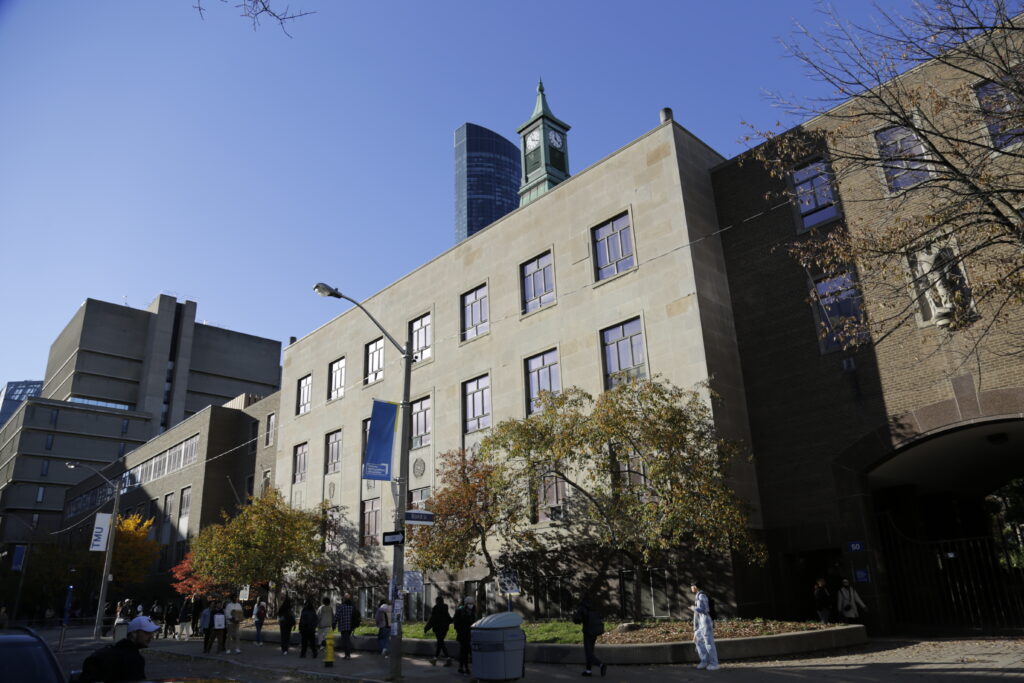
545	151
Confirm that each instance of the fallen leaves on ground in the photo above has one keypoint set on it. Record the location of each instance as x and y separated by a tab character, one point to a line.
675	631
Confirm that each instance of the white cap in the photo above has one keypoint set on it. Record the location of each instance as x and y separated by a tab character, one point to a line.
142	624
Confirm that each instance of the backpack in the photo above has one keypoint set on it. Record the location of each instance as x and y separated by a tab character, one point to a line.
356	618
261	612
712	612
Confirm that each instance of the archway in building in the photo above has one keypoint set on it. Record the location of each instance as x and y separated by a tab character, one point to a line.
947	562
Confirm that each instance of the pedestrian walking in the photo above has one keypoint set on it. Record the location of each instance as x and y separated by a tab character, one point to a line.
382	619
171	621
235	614
324	615
259	615
206	626
218	630
465	615
346	620
850	604
823	601
286	622
123	660
308	621
185	618
440	620
704	629
197	610
593	626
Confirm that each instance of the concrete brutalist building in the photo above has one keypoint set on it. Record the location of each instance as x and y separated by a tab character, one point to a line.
116	377
604	271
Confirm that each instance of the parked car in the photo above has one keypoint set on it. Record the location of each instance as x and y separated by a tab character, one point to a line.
27	657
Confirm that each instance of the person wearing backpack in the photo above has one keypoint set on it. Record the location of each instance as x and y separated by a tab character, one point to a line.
346	620
704	628
259	615
465	615
593	626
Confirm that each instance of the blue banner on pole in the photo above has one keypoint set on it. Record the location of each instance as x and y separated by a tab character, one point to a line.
18	559
380	442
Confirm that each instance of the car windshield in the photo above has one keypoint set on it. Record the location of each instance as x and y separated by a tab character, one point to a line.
26	660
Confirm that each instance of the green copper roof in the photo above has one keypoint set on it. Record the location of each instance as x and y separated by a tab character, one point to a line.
541	110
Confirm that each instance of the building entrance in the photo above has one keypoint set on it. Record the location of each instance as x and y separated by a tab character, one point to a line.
951	561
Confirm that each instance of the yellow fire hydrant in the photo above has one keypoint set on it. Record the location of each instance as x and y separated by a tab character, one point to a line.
329	648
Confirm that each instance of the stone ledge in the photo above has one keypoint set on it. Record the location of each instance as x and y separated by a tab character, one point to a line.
653	653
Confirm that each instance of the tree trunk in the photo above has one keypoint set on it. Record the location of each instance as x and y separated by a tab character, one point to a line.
638	578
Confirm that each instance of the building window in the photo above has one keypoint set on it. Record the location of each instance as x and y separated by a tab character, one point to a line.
838	308
538	278
939	285
421	423
271	426
40	494
476	397
418	498
53	416
185	505
265	484
332	461
370	531
475	314
422	337
35	520
250	487
815	193
124	427
366	436
624	357
304	397
44	468
49	442
374	361
902	157
1000	107
541	375
121	447
299	463
613	247
336	379
551	497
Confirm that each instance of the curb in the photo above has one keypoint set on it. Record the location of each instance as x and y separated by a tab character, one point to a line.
249	665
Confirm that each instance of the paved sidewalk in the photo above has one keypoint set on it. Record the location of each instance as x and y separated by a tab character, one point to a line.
880	660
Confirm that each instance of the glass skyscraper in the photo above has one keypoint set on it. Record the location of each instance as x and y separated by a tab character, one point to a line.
487	177
13	393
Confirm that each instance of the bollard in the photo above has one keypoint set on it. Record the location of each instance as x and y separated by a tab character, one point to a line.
60	643
329	648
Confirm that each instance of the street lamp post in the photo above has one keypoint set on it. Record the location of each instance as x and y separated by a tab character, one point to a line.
398	561
105	578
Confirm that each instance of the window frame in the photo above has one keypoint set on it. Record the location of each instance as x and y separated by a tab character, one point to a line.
332	459
609	376
481	420
420	435
336	373
424	332
304	394
271	427
628	241
991	117
300	462
822	318
891	169
370	522
542	370
548	297
803	224
484	325
373	352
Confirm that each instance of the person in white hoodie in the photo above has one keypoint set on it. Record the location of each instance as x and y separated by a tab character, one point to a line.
324	615
704	630
849	603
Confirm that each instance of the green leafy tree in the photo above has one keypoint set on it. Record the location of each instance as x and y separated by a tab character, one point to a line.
642	468
265	541
472	515
344	565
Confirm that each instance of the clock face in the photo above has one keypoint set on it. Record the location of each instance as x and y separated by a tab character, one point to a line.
555	139
533	139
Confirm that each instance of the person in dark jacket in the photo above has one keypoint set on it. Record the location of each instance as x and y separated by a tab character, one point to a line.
123	660
218	630
823	601
593	626
171	621
286	622
346	619
465	615
308	621
439	621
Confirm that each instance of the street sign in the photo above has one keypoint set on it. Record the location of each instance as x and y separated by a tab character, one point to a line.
856	546
508	582
413	581
243	594
393	538
861	576
419	517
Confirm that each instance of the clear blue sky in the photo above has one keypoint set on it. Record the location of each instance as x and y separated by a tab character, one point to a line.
145	149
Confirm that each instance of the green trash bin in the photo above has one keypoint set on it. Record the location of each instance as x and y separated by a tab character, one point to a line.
498	643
